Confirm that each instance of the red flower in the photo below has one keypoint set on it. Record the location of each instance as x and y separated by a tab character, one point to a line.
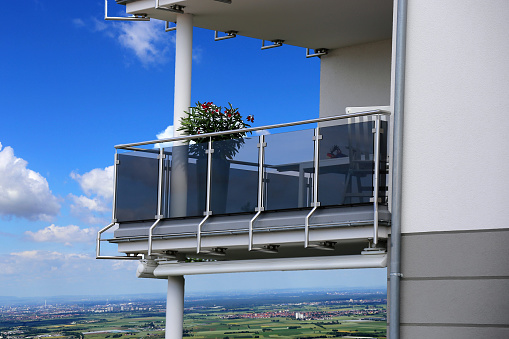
229	115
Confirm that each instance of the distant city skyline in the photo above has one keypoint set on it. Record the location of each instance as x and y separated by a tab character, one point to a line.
64	76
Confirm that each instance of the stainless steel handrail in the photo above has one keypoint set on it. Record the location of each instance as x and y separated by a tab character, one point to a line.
253	129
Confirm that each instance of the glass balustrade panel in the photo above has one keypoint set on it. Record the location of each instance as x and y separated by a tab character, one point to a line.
346	163
234	175
289	170
136	187
185	191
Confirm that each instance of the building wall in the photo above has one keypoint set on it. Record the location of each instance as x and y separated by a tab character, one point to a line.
455	171
355	76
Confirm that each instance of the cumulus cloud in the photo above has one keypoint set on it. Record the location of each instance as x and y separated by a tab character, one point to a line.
98	181
167	133
63	234
96	203
23	192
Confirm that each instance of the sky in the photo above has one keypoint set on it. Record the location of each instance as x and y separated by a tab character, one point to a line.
71	87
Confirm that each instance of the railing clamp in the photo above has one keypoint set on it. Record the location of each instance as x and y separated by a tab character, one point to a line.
396	275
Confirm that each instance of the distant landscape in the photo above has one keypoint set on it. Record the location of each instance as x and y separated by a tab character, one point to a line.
269	314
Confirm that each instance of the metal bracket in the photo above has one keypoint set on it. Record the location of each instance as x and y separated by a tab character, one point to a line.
319	137
396	275
264	144
275	43
229	35
317	204
136	17
211	151
98	247
167	27
173	8
317	52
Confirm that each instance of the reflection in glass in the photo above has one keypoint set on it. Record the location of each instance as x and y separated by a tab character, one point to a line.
346	163
234	176
289	169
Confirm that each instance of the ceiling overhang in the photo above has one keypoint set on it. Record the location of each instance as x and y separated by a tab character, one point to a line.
306	23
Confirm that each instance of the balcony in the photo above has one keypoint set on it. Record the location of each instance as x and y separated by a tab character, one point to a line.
317	188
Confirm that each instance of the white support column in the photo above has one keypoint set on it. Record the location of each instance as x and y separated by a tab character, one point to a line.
182	101
175	308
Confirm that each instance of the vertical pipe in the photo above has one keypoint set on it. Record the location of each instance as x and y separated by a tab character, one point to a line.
175	307
315	186
182	102
260	208
376	179
395	244
207	212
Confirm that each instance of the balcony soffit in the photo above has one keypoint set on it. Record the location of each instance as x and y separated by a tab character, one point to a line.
304	23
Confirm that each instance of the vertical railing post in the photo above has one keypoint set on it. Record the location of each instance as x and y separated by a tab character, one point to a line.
315	202
158	216
207	212
376	177
260	208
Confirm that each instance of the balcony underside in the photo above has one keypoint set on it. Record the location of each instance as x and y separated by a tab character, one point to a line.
351	228
305	23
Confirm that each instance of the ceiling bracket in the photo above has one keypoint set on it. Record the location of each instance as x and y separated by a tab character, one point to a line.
317	52
229	35
173	8
275	43
167	27
135	17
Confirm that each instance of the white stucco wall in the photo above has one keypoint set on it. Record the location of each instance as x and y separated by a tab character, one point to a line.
355	76
456	141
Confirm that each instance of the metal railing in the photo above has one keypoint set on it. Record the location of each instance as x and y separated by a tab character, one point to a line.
261	166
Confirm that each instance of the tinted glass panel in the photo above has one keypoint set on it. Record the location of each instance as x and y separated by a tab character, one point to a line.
137	178
234	176
289	169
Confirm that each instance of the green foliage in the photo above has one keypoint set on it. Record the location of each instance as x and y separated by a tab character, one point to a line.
207	118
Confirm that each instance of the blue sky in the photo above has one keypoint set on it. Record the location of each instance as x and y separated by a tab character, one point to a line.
71	87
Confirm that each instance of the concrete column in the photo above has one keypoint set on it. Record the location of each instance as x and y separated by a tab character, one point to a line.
175	308
182	101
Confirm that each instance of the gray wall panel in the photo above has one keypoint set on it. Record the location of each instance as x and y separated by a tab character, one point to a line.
454	254
451	332
468	302
455	285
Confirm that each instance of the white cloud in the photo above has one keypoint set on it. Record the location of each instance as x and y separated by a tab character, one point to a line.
63	234
23	192
167	133
37	263
146	39
96	182
97	185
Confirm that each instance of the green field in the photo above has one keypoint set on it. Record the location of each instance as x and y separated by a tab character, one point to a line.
320	320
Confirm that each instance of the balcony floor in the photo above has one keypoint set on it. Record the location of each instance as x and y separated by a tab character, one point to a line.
349	227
